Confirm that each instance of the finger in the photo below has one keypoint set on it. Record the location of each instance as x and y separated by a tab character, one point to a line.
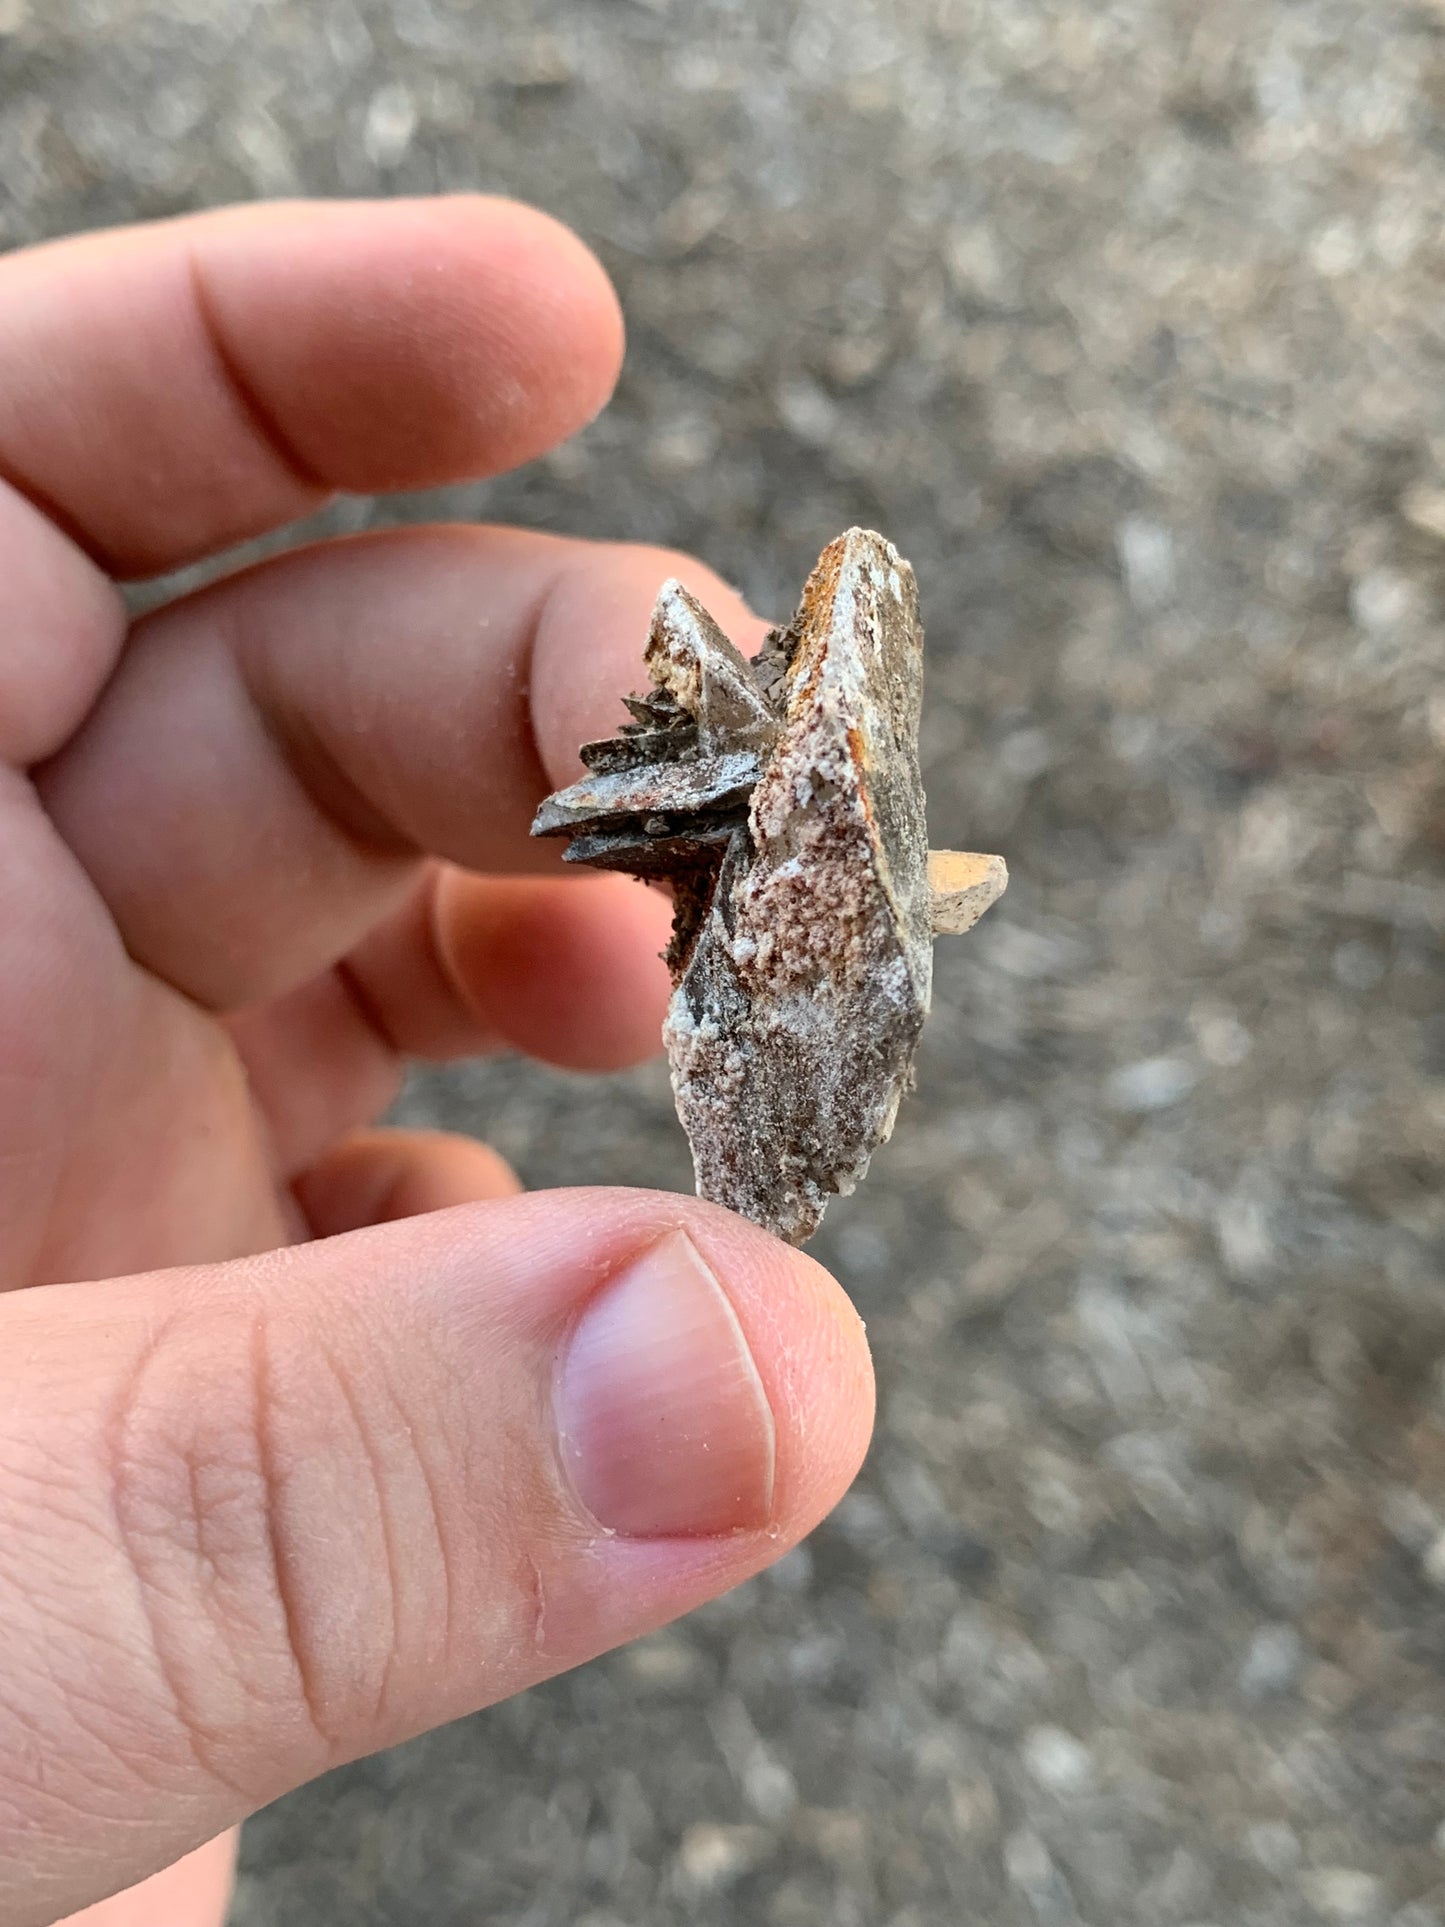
262	1518
195	1892
568	970
318	1066
63	623
261	358
377	1177
172	389
254	788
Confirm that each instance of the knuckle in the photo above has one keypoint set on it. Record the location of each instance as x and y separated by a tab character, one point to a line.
194	1505
58	1740
285	1522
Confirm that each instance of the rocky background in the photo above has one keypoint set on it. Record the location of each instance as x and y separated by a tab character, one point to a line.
1126	320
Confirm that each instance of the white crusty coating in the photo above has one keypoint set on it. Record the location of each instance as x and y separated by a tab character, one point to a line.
792	1032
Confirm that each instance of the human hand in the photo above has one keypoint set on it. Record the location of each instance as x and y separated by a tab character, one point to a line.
307	1472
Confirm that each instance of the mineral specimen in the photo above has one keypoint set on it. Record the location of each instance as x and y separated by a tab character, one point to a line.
781	800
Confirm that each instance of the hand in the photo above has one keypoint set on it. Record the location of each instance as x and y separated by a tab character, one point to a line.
308	1471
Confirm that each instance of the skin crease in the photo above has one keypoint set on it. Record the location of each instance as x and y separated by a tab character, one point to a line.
258	850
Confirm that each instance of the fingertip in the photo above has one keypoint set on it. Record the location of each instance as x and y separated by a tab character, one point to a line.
567	278
563	318
554	1255
811	1351
576	686
567	970
195	1890
382	1176
405	344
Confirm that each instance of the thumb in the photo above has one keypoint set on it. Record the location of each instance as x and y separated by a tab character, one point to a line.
260	1518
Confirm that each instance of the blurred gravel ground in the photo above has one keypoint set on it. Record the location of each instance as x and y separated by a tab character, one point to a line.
1127	322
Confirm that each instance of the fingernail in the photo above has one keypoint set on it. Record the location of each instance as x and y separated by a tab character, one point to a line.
663	1422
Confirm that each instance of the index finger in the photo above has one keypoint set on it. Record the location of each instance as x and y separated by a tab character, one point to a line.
260	778
170	390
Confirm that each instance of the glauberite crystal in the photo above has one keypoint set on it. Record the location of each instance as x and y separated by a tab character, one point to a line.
781	800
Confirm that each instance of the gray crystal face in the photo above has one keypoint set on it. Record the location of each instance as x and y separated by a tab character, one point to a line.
793	1029
802	947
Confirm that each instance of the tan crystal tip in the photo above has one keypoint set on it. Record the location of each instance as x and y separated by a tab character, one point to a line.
963	886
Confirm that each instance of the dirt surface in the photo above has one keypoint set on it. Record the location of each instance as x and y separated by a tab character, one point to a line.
1126	321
